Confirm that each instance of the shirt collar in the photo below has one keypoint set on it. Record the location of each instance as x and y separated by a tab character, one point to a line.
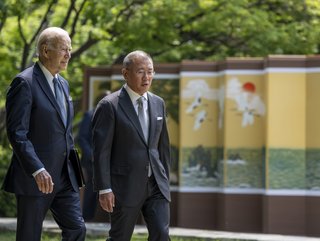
133	95
46	72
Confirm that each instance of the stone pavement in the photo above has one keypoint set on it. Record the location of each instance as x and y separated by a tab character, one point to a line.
98	229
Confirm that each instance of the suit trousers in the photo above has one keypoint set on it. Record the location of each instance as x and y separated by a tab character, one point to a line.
156	213
65	207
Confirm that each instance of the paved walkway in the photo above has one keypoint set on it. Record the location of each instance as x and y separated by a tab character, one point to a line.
96	229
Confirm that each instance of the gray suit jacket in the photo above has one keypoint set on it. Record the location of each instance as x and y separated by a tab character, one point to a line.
36	132
121	155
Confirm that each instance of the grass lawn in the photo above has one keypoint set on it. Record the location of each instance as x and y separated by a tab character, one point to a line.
10	236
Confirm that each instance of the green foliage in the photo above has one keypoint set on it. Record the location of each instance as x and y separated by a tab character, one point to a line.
103	31
7	200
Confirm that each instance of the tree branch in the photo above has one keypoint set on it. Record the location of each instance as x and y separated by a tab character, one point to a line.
90	42
67	17
20	30
26	49
26	45
43	22
127	12
3	20
76	18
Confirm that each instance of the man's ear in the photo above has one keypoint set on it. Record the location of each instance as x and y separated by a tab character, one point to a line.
45	51
124	73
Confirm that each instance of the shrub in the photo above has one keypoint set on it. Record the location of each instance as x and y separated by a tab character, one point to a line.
7	200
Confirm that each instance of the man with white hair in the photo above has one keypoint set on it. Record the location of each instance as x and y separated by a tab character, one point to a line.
39	127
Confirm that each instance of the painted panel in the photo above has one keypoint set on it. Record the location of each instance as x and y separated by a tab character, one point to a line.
287	168
201	167
286	110
313	169
246	168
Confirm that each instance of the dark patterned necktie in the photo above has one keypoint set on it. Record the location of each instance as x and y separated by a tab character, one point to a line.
60	99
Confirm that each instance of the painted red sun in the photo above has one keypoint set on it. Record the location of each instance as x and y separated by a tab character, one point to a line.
249	87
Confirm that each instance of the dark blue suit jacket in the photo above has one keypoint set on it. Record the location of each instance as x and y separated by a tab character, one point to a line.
85	140
36	132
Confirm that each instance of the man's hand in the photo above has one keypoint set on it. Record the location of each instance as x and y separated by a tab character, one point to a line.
44	182
107	201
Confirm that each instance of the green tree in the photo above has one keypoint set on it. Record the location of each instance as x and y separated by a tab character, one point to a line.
103	31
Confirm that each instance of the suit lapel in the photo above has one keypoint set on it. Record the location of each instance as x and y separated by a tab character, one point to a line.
128	109
152	115
43	83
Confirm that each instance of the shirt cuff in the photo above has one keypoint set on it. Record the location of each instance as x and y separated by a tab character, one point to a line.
37	172
105	191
